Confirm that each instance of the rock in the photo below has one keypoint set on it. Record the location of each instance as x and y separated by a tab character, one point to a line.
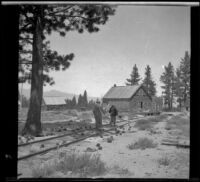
89	149
42	146
98	144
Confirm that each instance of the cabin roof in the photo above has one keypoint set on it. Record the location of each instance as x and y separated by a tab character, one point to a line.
121	92
54	100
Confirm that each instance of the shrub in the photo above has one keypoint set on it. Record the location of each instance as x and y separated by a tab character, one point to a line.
164	161
154	131
160	118
179	123
144	124
142	143
75	163
43	170
121	171
84	164
147	124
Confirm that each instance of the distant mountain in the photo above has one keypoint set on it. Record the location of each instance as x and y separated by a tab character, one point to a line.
26	93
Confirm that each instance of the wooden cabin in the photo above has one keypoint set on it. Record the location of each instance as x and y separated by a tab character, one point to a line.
128	98
53	103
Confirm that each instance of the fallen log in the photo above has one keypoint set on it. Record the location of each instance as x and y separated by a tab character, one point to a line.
176	144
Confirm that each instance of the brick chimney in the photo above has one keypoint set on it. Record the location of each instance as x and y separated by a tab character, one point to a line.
114	85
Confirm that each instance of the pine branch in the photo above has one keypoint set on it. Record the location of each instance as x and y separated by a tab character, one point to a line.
24	27
82	17
25	62
28	18
60	11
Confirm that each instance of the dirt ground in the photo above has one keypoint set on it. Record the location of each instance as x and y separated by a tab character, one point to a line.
138	163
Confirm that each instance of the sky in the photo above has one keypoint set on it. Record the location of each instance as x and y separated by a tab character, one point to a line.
141	35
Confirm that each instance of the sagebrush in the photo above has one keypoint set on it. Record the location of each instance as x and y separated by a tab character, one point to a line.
142	143
76	163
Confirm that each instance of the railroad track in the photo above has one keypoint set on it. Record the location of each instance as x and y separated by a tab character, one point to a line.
51	138
64	135
65	144
70	142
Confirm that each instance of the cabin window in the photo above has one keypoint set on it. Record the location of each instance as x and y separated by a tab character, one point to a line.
141	105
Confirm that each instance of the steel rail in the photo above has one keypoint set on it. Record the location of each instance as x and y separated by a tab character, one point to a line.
50	138
53	148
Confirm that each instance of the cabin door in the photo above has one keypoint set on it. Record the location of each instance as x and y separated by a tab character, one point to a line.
141	105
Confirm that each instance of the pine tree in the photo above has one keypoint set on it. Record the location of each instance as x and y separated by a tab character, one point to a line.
80	100
179	87
74	102
182	79
85	98
148	83
135	77
185	76
38	21
168	79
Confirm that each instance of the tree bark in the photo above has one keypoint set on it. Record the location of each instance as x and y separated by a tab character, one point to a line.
33	123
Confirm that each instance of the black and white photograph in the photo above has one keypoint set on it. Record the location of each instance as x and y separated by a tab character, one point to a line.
103	90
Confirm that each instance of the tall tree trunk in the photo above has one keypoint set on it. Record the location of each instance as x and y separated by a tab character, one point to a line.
171	102
33	123
185	96
168	104
180	103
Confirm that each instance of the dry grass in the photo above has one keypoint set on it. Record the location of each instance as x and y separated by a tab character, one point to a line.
43	170
59	115
179	123
49	115
85	164
75	163
142	143
148	124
